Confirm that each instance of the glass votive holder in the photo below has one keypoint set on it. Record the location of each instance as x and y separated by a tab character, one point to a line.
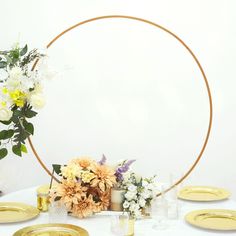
121	225
57	212
43	198
173	210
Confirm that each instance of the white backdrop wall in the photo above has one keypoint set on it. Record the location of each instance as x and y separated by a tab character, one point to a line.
109	87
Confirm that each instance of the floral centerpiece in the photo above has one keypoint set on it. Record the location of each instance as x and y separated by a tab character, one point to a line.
20	94
85	186
139	192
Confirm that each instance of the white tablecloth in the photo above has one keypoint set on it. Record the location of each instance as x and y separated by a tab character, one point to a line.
100	225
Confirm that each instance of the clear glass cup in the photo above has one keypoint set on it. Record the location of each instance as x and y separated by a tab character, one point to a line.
120	224
57	212
159	213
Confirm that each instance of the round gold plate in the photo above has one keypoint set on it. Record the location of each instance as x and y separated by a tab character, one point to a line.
11	212
52	230
214	219
203	193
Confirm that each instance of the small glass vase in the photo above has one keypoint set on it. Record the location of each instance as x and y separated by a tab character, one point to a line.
131	227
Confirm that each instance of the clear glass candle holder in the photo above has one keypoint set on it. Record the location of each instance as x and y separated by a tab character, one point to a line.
57	212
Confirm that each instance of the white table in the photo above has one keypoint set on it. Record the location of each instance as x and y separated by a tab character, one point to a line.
100	225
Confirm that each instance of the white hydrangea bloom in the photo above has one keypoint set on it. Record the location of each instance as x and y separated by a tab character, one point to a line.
15	73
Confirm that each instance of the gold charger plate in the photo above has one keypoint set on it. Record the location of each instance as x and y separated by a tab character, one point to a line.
11	212
213	219
203	193
52	230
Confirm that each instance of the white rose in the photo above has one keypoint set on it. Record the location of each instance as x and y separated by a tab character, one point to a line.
134	207
37	101
5	114
144	183
145	194
142	202
15	73
137	214
132	188
130	195
126	204
126	176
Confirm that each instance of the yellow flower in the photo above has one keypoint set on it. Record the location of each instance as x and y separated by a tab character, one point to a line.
4	90
71	171
87	176
3	104
18	97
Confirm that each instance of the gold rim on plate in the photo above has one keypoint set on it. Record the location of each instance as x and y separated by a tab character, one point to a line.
52	230
11	212
214	219
203	193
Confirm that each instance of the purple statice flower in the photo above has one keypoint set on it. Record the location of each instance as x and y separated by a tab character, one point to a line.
122	169
103	160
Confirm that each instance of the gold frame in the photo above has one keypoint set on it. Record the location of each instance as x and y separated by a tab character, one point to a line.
188	50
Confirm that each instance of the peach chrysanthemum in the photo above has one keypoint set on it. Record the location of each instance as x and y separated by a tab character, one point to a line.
105	177
70	192
84	162
105	200
85	207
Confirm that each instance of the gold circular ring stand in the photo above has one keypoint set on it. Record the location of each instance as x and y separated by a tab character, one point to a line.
188	50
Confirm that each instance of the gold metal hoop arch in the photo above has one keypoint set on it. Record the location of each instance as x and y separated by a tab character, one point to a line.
188	50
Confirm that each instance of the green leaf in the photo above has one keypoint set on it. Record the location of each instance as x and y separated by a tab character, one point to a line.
57	168
28	127
24	50
3	64
6	122
17	150
30	113
3	134
3	153
0	58
23	148
10	133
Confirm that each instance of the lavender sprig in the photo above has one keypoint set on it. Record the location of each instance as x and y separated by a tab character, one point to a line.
103	160
122	169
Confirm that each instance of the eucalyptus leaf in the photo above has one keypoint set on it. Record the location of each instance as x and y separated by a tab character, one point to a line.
30	113
24	50
29	127
23	148
17	150
3	153
3	64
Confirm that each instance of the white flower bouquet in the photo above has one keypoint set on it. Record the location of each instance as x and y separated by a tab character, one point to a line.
20	94
139	191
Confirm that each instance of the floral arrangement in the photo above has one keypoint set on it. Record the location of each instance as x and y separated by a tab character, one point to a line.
20	94
85	186
139	192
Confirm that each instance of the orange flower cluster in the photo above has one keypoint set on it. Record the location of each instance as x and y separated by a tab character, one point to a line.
85	187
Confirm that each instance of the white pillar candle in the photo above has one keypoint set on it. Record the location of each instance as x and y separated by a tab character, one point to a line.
117	199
